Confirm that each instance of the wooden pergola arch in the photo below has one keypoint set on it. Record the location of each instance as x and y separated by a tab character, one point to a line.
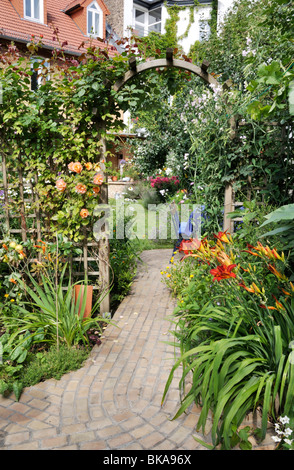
169	61
134	70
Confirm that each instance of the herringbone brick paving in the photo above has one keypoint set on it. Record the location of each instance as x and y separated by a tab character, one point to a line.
114	400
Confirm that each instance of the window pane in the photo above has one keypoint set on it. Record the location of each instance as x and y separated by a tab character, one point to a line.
139	16
155	16
155	27
28	11
37	9
93	6
204	30
90	25
96	23
139	29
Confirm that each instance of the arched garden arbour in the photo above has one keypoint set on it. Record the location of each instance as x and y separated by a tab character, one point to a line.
170	61
136	69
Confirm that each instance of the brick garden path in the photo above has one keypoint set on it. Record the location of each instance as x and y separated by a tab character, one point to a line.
114	401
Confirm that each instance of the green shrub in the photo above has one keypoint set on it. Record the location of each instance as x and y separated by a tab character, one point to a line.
53	363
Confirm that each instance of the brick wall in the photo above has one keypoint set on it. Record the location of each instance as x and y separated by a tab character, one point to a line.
116	17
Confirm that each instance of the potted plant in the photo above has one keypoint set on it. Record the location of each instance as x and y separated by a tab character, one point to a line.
86	305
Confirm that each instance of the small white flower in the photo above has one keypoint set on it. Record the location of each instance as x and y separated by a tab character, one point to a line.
276	439
288	441
284	419
288	432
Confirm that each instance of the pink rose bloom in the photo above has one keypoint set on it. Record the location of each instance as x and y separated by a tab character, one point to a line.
60	185
81	188
84	213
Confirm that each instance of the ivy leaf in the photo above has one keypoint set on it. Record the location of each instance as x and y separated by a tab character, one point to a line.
291	97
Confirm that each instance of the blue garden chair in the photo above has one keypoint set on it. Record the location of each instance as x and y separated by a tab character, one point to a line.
183	229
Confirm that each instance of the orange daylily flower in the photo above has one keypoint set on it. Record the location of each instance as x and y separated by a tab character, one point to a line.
277	273
223	272
189	245
265	251
249	289
256	289
223	258
222	236
285	292
268	307
278	304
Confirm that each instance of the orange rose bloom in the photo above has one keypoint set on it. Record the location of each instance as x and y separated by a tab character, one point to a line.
98	179
96	190
84	213
88	166
75	166
60	184
81	188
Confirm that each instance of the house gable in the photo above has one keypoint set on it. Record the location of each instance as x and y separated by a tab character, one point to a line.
68	19
79	12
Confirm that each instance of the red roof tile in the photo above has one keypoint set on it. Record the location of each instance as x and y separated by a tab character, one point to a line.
14	27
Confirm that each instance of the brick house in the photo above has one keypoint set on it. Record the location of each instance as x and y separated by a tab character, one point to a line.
76	22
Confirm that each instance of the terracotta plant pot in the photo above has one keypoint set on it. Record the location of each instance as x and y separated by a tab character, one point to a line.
89	298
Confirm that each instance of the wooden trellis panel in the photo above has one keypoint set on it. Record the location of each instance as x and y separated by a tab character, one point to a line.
29	210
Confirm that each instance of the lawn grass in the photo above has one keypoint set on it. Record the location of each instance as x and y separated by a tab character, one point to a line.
150	229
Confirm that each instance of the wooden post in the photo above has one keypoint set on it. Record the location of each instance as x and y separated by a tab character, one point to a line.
169	55
133	64
103	244
22	205
204	66
5	187
228	207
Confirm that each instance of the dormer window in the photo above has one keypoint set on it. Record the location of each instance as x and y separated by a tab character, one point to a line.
33	10
94	20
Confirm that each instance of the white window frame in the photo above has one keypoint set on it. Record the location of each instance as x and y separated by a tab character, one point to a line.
40	77
98	11
39	19
204	29
146	24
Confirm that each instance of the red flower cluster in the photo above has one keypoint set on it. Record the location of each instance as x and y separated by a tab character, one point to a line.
159	181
